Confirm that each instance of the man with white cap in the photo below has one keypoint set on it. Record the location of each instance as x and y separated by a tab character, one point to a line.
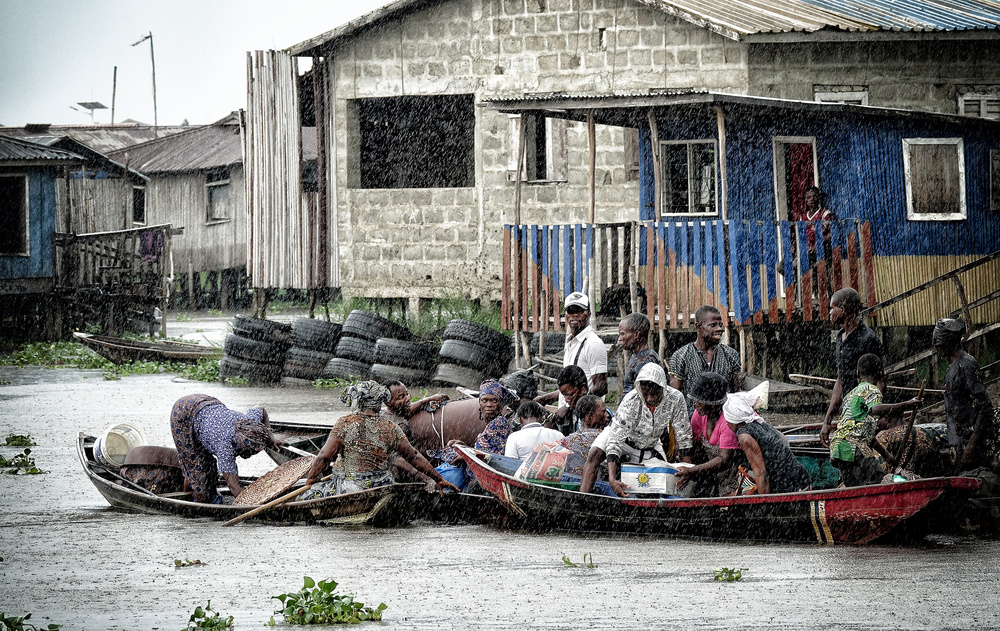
583	348
647	419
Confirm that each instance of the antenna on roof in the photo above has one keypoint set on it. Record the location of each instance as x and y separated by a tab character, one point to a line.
152	59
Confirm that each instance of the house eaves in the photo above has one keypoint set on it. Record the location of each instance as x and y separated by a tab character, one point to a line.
69	144
25	153
757	20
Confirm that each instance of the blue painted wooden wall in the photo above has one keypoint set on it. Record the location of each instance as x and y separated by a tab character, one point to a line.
41	226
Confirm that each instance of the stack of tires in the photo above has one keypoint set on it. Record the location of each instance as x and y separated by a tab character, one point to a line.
313	345
470	353
400	360
355	352
255	350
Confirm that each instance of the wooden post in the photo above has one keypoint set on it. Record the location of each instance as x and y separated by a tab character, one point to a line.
190	284
312	303
965	304
654	141
723	186
165	282
517	172
592	166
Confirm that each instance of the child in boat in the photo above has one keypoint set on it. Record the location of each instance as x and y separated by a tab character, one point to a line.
853	446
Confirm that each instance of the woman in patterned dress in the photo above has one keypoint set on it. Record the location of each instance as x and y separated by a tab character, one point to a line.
366	442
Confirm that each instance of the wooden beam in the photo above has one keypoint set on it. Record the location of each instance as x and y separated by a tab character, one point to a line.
592	167
654	142
723	184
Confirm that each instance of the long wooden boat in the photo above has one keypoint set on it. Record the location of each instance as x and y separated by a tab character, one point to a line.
393	505
121	351
452	508
841	516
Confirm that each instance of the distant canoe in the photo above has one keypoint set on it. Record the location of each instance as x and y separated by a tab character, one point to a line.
843	516
393	505
121	351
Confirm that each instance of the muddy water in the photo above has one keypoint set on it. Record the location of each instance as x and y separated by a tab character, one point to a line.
68	558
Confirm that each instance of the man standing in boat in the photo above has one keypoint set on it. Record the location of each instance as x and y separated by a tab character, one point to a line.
633	336
705	354
583	348
853	340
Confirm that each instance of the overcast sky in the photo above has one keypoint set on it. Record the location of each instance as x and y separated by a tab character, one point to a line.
56	53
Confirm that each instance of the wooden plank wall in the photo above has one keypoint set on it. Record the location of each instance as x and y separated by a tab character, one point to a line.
738	267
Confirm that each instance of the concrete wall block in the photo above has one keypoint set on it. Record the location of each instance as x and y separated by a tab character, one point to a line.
640	58
436	69
511	45
557	6
461	215
413	252
569	61
441	197
734	54
548	63
466	234
664	58
434	252
465	197
712	56
568	22
651	37
523	25
368	252
687	57
546	24
626	37
459	68
557	41
457	252
534	43
513	7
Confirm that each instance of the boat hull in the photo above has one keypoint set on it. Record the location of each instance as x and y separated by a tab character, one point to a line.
838	516
121	351
393	505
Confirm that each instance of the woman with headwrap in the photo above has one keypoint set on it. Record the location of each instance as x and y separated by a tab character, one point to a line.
366	442
493	398
209	436
969	413
775	467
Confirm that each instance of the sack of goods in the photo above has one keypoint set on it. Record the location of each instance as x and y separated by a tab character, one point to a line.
655	477
546	464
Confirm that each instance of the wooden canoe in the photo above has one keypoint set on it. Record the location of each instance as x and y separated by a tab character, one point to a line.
121	351
842	516
392	505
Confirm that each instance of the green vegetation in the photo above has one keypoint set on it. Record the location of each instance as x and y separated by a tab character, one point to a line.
21	463
585	563
207	618
184	316
18	440
334	383
215	312
74	355
729	574
318	603
433	316
186	562
20	623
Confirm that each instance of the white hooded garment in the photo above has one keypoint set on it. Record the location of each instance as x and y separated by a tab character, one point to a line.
636	427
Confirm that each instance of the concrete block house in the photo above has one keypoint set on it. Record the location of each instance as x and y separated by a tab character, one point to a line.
417	178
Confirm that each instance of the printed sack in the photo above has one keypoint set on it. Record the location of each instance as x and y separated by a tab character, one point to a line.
546	464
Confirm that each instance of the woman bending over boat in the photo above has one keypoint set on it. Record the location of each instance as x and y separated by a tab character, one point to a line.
366	443
775	467
209	436
716	448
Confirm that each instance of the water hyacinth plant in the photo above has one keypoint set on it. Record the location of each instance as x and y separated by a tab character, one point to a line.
319	603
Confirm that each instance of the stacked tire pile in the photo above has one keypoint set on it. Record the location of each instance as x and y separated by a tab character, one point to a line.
313	345
470	353
255	350
354	355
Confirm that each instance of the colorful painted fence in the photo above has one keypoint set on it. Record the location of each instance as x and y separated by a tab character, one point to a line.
739	267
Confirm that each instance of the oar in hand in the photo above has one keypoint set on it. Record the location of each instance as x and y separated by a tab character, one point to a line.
272	503
898	460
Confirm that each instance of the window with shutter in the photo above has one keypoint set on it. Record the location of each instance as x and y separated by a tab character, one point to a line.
934	171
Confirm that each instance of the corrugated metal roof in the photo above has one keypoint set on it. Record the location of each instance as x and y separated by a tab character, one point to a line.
101	138
739	18
198	149
16	150
75	146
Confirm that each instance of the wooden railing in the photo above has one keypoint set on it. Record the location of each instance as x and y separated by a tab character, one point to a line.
750	271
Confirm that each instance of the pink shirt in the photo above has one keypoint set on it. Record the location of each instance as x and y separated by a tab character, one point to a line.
722	436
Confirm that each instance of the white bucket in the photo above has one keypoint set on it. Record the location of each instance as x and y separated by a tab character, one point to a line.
113	445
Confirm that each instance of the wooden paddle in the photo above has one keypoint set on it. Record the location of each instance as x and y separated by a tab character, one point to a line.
909	428
272	503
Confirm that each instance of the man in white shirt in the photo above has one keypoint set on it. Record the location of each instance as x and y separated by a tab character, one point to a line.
522	443
583	348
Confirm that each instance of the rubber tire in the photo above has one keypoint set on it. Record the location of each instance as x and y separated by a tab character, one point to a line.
356	348
264	330
468	354
405	354
306	357
371	326
339	368
555	342
455	375
295	382
315	335
298	371
255	372
254	350
408	376
477	334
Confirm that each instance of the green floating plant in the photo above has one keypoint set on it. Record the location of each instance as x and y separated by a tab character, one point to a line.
20	623
207	618
587	562
319	603
729	574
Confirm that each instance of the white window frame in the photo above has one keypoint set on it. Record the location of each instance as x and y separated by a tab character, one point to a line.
959	145
555	149
778	172
994	189
27	216
209	220
982	97
660	193
841	97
